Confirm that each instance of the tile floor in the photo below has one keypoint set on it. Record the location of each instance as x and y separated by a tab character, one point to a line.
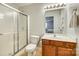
37	52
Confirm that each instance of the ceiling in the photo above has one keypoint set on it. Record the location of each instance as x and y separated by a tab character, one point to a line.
16	5
22	4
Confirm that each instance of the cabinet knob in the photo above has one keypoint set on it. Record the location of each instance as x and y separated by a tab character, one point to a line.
1	33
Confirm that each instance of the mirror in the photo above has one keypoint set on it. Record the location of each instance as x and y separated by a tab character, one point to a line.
55	21
49	24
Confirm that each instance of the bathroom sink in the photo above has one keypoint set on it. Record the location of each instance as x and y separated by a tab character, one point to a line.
60	37
54	36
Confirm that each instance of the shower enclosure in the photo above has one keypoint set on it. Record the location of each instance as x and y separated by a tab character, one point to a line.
13	31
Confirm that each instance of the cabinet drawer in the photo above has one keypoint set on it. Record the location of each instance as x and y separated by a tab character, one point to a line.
57	43
66	52
45	42
52	42
70	45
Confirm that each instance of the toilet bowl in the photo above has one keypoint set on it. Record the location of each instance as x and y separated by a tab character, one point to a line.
31	47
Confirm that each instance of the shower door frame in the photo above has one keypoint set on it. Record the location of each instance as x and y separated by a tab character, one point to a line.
18	12
18	34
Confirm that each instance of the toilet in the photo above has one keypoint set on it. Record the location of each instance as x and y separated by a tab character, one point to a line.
31	47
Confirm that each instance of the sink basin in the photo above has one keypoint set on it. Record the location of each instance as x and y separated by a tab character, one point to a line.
54	36
60	37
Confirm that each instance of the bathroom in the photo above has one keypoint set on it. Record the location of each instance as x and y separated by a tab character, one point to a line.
25	22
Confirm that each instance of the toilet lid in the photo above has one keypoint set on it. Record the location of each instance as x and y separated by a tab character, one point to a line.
30	47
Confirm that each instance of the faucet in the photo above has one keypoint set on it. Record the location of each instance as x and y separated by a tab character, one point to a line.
54	35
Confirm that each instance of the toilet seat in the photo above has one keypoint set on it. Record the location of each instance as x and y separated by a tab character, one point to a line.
30	47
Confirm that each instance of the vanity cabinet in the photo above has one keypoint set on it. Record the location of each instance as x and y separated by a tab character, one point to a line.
49	50
58	48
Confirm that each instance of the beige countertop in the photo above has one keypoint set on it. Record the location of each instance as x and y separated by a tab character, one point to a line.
59	37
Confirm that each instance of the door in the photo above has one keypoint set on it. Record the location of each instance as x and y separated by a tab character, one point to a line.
6	31
22	30
65	51
48	50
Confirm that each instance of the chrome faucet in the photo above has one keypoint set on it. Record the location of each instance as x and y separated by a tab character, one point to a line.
54	35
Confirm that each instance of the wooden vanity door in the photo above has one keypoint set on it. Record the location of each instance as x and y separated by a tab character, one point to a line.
48	50
65	51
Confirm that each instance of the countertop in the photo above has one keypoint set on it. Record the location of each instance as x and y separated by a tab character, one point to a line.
59	37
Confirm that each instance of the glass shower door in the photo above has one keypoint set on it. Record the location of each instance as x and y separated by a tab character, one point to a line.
6	31
22	30
13	31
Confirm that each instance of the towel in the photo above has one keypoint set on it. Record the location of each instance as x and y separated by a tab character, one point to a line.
77	20
73	21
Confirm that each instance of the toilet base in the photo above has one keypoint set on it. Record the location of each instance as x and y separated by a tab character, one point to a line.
29	53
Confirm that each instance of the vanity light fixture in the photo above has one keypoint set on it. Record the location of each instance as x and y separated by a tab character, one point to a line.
55	6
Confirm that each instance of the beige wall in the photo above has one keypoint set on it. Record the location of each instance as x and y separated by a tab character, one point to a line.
73	31
36	14
37	18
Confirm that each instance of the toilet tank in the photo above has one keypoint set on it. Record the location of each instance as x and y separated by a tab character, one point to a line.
34	39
